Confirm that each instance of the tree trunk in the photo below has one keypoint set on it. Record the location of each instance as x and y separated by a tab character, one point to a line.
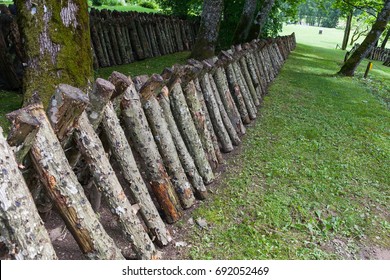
349	67
141	137
67	194
185	157
164	141
261	19
53	31
245	23
386	39
347	31
24	234
206	40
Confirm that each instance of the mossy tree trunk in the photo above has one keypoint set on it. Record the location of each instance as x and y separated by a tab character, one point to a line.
244	25
349	67
208	31
57	45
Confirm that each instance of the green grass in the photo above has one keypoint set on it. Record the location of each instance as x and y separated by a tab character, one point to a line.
148	66
10	101
312	179
309	35
128	8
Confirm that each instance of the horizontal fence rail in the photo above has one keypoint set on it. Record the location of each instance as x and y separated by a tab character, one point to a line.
148	146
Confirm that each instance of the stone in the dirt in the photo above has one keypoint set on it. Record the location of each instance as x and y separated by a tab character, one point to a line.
181	244
201	222
190	221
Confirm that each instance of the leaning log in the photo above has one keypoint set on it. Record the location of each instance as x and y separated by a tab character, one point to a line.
190	135
65	191
103	175
199	118
215	115
184	155
123	155
164	141
227	99
138	131
21	227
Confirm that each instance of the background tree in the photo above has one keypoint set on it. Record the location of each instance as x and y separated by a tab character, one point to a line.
245	22
349	67
57	45
261	19
207	38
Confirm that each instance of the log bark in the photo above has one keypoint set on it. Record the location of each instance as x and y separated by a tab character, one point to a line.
188	130
236	93
248	80
52	30
199	118
141	137
185	157
227	100
206	40
105	179
225	118
22	134
215	115
66	193
21	227
164	141
123	154
103	175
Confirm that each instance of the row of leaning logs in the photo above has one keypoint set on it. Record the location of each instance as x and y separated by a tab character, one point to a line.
166	135
123	37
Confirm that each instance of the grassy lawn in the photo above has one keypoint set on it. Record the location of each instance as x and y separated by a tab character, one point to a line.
309	35
9	101
128	8
148	66
312	179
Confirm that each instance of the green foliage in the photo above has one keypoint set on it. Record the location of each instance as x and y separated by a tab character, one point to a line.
148	5
10	101
312	181
97	3
319	12
181	8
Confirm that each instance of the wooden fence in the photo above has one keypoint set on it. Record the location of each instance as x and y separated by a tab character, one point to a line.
165	134
377	53
116	38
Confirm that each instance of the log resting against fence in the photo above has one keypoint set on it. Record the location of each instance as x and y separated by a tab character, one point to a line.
377	53
158	147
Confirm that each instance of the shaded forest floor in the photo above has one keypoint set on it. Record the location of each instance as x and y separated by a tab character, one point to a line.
311	180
